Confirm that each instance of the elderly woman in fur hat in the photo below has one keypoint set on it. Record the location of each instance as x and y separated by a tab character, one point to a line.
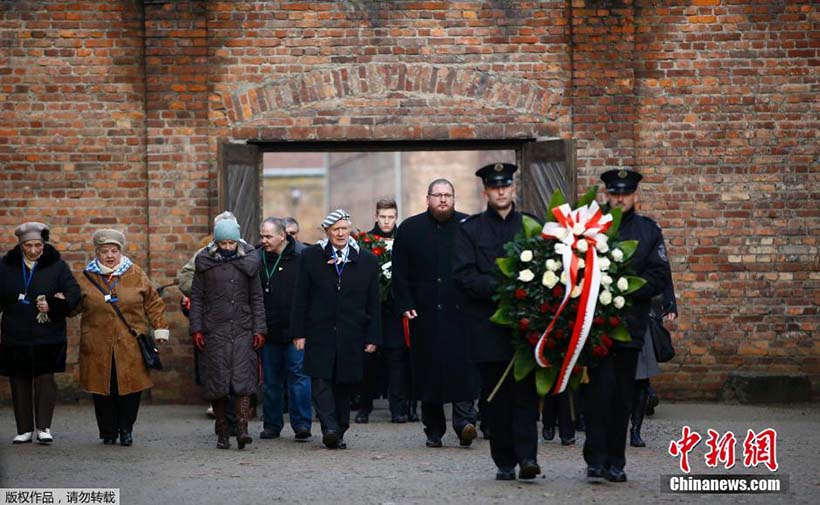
111	364
37	292
227	324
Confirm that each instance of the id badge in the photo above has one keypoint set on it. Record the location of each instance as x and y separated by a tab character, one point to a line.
22	298
110	299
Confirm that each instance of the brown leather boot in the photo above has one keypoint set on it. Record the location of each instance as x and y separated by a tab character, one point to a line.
243	412
223	440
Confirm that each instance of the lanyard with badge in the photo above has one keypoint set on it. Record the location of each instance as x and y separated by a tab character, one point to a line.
269	273
110	297
26	282
342	258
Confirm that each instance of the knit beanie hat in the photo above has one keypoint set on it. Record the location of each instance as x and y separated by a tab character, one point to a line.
226	230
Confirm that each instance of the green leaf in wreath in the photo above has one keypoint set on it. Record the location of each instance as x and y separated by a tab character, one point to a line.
617	214
544	379
531	227
501	316
524	362
507	266
588	197
557	200
628	247
620	334
635	283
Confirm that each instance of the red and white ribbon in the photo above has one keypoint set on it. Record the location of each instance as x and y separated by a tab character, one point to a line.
588	224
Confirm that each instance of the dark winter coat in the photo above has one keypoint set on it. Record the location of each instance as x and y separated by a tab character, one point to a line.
227	306
422	280
29	348
337	325
278	290
479	241
650	262
392	333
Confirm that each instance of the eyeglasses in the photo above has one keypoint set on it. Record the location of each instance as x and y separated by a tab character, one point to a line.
440	196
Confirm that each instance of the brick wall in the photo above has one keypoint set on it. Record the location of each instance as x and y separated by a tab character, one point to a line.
112	113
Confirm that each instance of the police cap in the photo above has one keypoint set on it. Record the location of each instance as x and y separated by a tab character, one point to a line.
497	175
620	181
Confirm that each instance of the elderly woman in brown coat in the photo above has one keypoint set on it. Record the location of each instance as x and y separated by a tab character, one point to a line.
111	365
228	326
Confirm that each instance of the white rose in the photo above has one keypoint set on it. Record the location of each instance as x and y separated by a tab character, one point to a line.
387	274
606	281
582	246
526	256
577	229
526	275
576	291
549	279
560	247
388	244
605	297
619	302
602	247
581	263
622	284
553	265
617	255
604	263
387	265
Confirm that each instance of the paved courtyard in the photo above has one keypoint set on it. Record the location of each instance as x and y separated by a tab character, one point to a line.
174	460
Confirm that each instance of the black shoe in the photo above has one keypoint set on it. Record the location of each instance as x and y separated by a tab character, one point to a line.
110	441
635	439
651	403
303	434
528	470
548	433
269	433
505	474
362	417
399	419
331	439
467	435
568	441
433	442
412	417
596	473
615	475
342	444
126	439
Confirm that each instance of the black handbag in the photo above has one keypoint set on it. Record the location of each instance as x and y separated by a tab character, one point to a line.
661	340
147	345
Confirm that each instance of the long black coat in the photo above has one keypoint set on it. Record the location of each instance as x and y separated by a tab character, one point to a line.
650	261
336	324
422	280
278	291
228	307
28	347
479	241
392	333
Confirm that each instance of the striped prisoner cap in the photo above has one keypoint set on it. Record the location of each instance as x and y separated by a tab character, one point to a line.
335	216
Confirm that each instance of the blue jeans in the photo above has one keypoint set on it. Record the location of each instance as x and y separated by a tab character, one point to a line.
280	362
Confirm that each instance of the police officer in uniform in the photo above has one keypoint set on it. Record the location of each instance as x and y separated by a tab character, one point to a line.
609	394
513	413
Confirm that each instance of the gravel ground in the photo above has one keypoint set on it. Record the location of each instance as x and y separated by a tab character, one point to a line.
174	460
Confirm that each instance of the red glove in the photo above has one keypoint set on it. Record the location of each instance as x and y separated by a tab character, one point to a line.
199	340
258	340
185	303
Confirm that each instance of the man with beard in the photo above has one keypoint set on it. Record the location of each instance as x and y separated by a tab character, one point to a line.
513	413
392	355
422	284
608	396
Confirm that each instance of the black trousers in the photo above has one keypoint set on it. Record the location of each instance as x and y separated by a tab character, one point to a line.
435	423
37	407
556	408
332	403
396	365
116	412
607	406
512	416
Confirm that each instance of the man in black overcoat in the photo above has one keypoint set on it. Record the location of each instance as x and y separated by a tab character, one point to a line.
336	319
608	396
422	283
513	412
